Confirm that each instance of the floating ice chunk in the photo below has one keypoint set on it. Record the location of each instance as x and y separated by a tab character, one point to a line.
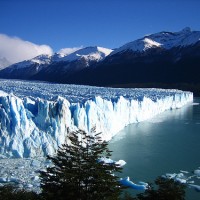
119	163
180	177
143	183
185	172
170	176
191	182
190	177
3	180
141	186
180	180
106	160
196	187
197	172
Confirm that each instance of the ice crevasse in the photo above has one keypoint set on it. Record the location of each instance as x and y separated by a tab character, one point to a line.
33	126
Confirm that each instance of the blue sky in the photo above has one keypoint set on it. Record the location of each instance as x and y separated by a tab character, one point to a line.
107	23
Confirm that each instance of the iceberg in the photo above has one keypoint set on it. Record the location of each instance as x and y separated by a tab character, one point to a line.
35	117
180	177
197	172
119	163
196	187
140	186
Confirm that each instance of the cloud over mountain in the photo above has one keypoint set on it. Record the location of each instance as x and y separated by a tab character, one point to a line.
15	49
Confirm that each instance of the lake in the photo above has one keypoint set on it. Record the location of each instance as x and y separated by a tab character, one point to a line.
167	143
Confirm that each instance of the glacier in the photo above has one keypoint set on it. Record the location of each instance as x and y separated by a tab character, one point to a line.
35	117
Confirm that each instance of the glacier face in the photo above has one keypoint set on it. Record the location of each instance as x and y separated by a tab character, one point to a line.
35	117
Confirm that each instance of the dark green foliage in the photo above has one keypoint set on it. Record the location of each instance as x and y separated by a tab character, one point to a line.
166	189
76	174
10	192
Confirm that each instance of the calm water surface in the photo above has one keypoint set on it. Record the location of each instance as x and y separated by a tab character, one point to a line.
168	143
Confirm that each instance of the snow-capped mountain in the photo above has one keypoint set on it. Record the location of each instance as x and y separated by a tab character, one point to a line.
169	58
165	40
64	64
38	60
65	67
165	59
88	53
27	68
41	60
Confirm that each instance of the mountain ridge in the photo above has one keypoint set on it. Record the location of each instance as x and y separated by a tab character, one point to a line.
162	58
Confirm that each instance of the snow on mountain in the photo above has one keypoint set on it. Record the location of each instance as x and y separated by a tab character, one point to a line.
89	53
42	59
138	45
35	117
39	60
57	56
166	40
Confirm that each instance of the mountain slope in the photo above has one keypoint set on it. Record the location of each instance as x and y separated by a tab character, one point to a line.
164	58
88	53
165	40
46	67
65	67
161	58
178	65
27	68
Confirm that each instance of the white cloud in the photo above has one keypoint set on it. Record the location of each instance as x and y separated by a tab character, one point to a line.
15	49
67	51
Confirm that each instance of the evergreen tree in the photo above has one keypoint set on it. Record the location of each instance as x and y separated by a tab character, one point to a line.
166	189
76	173
11	192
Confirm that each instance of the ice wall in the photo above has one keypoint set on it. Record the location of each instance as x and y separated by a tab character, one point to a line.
34	126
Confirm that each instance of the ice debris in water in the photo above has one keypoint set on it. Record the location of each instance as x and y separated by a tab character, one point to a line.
185	177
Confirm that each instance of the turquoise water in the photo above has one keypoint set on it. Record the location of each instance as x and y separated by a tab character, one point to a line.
168	143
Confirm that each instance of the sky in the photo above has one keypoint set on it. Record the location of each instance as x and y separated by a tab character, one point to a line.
51	25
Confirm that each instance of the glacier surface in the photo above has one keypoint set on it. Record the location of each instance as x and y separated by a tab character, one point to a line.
35	117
